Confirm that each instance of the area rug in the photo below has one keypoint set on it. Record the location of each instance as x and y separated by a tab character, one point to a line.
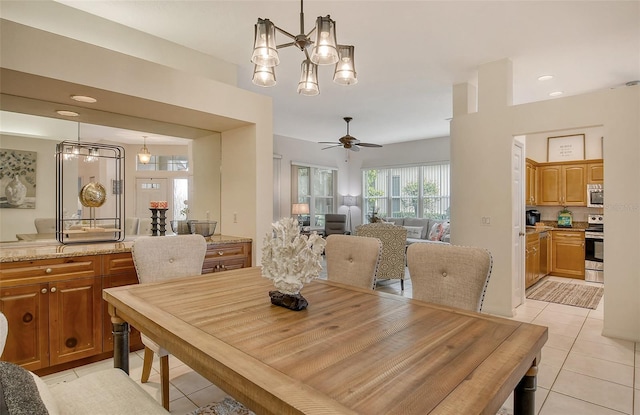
577	295
227	407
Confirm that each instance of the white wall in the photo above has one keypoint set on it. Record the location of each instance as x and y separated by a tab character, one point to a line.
33	51
350	164
480	153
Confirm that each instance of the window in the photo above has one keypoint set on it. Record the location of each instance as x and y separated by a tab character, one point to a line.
315	186
164	163
412	191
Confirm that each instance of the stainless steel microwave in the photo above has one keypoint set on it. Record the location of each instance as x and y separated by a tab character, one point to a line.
595	195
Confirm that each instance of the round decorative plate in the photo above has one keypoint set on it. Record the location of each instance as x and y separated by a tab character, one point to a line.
93	195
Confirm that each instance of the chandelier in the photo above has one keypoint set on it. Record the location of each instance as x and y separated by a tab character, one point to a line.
324	51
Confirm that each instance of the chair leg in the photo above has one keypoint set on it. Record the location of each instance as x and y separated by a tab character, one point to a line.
146	365
401	284
164	381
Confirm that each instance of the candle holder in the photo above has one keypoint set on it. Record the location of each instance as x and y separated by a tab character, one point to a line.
158	221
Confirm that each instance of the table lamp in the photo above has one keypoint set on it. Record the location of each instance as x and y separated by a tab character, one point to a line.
300	209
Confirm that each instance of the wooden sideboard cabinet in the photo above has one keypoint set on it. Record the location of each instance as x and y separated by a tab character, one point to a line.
226	256
51	306
568	254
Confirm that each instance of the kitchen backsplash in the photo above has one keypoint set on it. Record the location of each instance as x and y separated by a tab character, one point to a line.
580	214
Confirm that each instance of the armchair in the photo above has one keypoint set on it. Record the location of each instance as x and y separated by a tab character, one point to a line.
335	223
394	239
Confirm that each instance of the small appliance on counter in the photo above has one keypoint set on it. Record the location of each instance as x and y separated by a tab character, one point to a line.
565	218
533	217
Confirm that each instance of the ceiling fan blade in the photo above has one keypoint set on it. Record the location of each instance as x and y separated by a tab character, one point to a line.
368	145
328	142
336	145
354	148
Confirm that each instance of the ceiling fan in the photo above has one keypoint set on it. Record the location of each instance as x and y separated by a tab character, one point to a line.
349	142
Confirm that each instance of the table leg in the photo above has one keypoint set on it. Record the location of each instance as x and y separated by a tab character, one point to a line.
524	396
120	344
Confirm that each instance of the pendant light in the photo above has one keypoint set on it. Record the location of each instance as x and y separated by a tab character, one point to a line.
324	51
144	156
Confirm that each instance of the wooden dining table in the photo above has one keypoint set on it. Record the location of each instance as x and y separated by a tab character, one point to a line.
351	351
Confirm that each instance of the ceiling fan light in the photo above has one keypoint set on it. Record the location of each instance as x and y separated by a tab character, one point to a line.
308	84
264	45
345	73
264	76
325	49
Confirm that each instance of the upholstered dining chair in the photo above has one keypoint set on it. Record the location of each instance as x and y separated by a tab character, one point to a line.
335	224
353	260
394	242
4	332
451	275
163	258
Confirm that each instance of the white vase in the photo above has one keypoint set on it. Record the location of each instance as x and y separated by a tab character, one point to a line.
16	192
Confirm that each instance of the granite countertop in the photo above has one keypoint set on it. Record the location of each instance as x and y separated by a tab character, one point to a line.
553	226
47	249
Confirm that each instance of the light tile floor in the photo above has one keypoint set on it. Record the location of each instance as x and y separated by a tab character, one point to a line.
581	373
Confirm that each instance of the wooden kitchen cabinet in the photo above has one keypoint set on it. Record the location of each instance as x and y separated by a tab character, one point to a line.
562	184
118	270
531	195
227	256
568	254
595	172
52	309
532	260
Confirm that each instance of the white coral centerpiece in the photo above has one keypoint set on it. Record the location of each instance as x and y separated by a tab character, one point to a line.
290	259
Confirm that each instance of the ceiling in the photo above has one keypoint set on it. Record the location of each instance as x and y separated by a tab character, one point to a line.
408	54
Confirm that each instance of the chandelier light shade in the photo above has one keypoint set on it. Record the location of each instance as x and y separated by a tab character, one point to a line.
264	76
144	156
322	50
308	84
325	49
265	52
345	73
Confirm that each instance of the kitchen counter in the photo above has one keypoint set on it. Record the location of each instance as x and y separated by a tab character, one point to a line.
46	249
553	226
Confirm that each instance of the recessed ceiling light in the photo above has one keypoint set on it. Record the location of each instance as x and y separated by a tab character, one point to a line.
83	98
545	77
67	113
555	93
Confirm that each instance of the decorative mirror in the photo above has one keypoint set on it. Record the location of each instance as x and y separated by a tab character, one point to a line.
85	210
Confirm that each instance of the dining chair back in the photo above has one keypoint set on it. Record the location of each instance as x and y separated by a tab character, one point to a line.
353	260
4	332
163	258
394	242
451	275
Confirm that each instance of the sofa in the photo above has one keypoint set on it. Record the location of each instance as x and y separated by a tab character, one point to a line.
423	229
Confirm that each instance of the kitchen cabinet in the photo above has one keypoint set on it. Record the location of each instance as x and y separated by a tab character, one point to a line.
532	259
595	172
227	256
568	254
52	307
531	194
562	184
118	270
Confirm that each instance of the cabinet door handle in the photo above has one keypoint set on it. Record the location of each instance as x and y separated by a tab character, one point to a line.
48	271
43	291
220	253
53	289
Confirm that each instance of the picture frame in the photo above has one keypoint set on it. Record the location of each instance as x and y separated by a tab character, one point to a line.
566	147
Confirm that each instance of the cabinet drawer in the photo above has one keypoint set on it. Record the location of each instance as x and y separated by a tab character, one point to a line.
569	236
118	264
45	270
222	251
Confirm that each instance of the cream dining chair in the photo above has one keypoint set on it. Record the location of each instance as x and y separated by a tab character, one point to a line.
451	275
162	258
353	260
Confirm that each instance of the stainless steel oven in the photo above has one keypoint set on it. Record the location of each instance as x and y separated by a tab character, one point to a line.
594	249
595	195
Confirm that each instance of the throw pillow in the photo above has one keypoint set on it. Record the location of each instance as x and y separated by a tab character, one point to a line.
413	231
438	231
